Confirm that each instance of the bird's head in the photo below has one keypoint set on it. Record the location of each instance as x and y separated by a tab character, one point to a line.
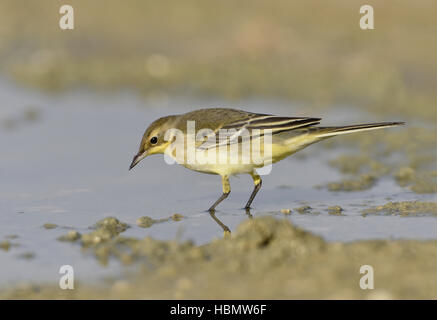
153	141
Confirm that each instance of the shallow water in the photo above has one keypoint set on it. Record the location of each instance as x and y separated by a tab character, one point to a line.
66	162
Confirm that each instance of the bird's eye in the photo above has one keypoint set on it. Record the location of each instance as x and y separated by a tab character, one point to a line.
154	140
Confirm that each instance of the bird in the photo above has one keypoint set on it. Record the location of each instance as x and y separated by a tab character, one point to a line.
277	137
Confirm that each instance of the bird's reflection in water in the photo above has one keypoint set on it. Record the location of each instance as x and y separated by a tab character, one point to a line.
226	230
248	213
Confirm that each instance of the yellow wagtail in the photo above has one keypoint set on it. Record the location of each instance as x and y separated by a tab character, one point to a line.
227	133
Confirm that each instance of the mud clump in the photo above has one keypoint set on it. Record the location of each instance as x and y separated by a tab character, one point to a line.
147	222
50	226
419	182
353	164
307	210
408	155
105	230
278	239
304	209
335	211
404	209
5	245
100	241
359	183
286	211
111	225
405	175
177	217
71	236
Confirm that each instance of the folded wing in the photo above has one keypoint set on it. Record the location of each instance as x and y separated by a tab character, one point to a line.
255	126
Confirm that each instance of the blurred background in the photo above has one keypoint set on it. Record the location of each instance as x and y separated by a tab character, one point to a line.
310	51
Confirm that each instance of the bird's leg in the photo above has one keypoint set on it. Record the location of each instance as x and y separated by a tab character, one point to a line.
258	182
249	215
226	192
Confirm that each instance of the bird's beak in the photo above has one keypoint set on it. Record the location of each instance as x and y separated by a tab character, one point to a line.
137	159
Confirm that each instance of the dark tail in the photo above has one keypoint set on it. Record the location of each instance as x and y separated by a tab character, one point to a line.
323	132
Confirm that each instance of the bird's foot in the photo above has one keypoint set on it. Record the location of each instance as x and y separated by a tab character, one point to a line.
247	209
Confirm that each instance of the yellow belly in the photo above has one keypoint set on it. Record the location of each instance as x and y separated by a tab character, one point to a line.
228	161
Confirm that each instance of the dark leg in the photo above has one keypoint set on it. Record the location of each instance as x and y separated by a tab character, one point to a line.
221	224
222	197
249	215
258	182
226	192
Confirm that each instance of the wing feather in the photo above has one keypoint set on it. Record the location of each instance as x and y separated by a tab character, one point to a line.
258	122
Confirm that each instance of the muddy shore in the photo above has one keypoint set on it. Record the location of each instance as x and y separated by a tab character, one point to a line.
265	258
